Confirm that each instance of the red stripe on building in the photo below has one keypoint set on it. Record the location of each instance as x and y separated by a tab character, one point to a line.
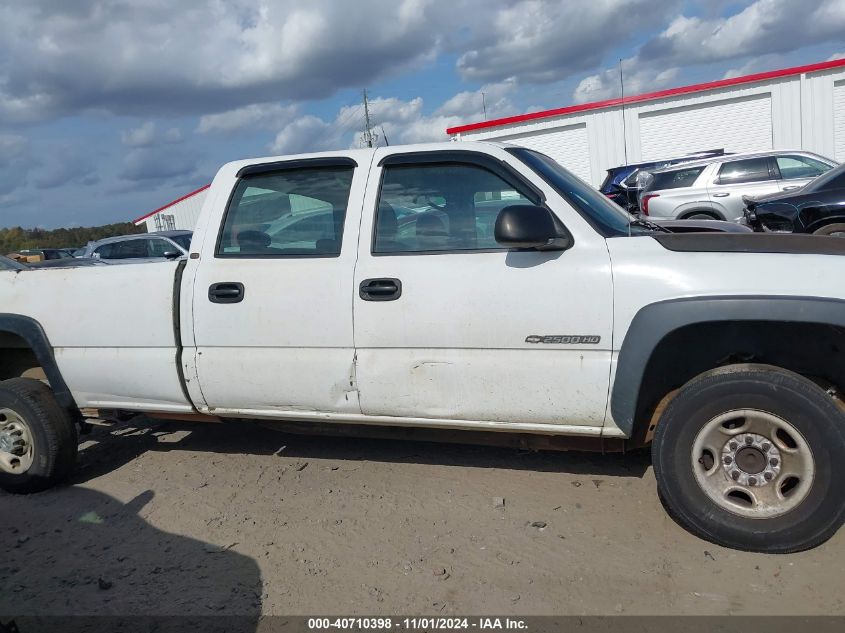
649	96
170	204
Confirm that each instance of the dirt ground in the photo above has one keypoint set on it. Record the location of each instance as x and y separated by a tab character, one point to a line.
172	518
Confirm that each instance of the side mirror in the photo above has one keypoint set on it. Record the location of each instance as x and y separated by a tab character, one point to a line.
172	255
529	226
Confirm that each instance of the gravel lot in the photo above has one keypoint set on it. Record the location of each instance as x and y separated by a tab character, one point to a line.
172	518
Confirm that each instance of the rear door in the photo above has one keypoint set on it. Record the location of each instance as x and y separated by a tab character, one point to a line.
745	177
272	292
455	330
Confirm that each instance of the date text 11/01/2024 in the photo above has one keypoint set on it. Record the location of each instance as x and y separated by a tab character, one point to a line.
416	624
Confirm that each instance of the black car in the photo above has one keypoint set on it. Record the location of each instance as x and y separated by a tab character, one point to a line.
622	185
818	207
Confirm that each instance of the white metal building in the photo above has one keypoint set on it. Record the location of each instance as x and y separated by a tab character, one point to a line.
793	108
182	213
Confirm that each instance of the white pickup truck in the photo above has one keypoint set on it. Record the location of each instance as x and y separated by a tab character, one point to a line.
473	287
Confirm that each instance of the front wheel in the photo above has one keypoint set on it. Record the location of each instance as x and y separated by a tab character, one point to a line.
753	457
38	439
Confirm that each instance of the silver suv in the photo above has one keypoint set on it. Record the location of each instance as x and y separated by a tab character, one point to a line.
713	188
144	247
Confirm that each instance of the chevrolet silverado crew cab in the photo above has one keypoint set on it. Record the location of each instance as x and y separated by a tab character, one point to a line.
472	287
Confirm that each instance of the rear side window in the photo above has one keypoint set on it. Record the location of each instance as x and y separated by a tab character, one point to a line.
791	167
738	171
289	213
675	179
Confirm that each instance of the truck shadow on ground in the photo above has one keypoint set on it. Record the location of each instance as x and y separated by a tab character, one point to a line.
76	551
109	447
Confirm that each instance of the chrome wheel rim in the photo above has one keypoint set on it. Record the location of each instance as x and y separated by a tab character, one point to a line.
753	463
16	444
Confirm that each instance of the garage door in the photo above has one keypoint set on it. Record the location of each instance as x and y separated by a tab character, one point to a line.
737	125
567	145
839	120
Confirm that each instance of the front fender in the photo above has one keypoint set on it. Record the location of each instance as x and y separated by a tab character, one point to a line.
656	321
31	331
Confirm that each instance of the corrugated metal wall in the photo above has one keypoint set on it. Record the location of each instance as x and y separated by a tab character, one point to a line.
795	112
182	215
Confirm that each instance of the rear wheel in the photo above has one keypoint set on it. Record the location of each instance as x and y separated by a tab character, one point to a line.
751	457
835	230
700	215
38	439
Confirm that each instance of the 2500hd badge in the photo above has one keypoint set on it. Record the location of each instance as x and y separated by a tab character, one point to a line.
563	339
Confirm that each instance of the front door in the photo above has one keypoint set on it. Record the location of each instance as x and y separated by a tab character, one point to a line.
272	311
450	327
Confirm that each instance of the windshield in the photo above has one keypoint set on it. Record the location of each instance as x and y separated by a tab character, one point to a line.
605	216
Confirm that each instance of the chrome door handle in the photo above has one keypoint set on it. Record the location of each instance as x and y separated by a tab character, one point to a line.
720	195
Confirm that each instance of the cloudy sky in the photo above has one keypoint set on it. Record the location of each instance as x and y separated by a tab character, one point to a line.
111	108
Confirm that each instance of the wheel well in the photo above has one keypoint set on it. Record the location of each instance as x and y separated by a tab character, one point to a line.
714	214
17	358
814	350
819	224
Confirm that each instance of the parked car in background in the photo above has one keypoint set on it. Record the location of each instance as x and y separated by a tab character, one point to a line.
10	264
622	183
713	188
31	255
817	207
145	247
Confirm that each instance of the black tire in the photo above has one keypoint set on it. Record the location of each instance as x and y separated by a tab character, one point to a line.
836	230
54	435
774	391
701	215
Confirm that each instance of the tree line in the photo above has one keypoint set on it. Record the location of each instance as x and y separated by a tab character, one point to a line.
16	238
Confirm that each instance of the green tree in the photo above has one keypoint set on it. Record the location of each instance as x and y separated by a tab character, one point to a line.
14	239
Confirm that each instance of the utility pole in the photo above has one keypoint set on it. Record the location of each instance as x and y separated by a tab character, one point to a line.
624	133
484	105
368	133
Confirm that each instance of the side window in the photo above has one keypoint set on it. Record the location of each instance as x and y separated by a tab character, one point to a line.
296	212
129	249
750	170
800	167
675	179
440	207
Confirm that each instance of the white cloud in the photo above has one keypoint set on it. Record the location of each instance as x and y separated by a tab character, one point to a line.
764	27
836	56
607	85
400	121
158	164
760	34
255	116
202	56
540	41
146	135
